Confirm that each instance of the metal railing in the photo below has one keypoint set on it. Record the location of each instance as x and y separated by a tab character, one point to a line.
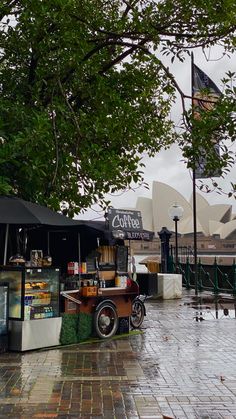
184	253
216	278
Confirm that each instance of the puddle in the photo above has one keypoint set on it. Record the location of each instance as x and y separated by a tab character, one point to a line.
213	308
214	314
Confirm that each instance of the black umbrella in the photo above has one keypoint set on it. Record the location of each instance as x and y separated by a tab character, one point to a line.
21	213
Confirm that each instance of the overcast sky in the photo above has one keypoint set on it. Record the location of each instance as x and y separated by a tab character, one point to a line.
168	166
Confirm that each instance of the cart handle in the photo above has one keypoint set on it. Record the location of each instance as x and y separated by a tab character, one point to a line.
69	297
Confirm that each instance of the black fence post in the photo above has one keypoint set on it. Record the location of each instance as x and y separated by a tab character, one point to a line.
165	236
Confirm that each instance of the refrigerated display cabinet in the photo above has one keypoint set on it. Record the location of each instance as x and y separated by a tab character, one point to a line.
4	304
34	318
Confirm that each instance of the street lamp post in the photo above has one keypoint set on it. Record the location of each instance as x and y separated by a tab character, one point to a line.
176	213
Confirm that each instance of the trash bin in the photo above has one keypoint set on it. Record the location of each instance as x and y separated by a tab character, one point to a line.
148	283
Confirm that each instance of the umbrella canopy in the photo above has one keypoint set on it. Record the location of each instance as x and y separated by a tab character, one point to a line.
17	211
21	213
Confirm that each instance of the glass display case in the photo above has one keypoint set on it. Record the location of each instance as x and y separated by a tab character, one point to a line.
3	317
33	292
34	320
41	293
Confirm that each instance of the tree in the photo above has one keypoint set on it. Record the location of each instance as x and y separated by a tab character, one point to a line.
84	91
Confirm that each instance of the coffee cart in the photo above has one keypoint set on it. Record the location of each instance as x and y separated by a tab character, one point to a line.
111	307
106	287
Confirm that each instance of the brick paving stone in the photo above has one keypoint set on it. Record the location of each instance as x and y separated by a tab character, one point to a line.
176	367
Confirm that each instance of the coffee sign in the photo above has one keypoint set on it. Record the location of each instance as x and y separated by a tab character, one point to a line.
125	220
139	235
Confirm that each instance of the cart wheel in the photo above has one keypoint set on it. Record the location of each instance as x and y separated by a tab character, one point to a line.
105	320
138	313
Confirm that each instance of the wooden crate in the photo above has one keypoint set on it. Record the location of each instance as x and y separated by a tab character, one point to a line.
89	291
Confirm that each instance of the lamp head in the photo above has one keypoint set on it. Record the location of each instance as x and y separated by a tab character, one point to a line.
175	212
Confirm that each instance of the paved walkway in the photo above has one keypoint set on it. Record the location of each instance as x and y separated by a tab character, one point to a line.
177	368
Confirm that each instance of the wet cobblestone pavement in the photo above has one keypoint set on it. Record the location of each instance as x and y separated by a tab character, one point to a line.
176	368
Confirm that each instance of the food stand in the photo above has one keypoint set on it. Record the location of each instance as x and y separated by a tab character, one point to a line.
34	283
42	291
106	290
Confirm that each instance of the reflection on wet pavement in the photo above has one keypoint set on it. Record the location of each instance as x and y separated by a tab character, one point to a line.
214	308
176	367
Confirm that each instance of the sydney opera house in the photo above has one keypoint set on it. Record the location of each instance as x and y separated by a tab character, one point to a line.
216	224
212	220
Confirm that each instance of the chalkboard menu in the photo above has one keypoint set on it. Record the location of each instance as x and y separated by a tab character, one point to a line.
122	258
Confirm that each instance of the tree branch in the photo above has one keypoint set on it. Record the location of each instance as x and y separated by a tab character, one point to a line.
106	44
74	117
122	56
54	130
129	7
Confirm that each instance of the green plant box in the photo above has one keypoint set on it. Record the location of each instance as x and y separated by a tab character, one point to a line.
75	328
85	326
